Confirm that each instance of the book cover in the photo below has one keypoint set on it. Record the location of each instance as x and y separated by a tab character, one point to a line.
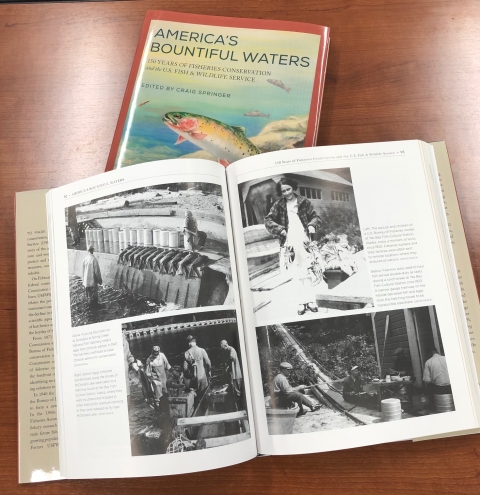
220	88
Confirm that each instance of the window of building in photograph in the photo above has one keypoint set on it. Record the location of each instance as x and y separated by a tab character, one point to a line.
340	196
311	192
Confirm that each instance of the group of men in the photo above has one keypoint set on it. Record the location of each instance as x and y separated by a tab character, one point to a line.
435	377
196	372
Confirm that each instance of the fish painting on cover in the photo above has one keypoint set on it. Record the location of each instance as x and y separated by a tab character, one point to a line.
198	82
222	141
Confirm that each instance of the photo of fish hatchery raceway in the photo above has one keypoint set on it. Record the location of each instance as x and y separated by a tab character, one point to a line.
185	383
148	250
355	370
304	244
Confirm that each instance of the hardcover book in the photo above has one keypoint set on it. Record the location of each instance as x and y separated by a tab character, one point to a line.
220	88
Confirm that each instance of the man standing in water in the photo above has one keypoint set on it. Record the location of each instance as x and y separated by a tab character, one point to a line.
232	368
196	367
156	369
91	278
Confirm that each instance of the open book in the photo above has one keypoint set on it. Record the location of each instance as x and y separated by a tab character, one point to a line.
297	301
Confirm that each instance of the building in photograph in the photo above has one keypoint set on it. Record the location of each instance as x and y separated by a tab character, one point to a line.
331	263
361	369
415	330
321	187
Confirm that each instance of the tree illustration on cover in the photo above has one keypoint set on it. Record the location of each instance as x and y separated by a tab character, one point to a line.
226	143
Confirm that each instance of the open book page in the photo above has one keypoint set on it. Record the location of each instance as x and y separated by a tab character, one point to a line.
37	411
150	355
349	297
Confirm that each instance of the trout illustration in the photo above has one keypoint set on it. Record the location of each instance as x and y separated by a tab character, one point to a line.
227	143
257	113
278	83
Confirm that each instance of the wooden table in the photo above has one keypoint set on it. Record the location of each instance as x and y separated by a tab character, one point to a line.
384	385
403	69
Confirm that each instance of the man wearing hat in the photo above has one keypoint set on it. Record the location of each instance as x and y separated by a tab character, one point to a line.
196	367
156	369
284	394
353	387
91	278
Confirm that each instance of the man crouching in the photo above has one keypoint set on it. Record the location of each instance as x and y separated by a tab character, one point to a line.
284	394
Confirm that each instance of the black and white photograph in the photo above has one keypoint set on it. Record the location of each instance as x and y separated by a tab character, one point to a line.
149	250
304	244
185	384
354	370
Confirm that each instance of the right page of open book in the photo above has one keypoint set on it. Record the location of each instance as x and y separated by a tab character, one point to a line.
355	330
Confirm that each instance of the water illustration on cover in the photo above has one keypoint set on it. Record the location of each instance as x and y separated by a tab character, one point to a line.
219	93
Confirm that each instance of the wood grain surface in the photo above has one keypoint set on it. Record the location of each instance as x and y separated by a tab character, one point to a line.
404	69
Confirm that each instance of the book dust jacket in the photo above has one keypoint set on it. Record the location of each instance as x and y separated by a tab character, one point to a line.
220	89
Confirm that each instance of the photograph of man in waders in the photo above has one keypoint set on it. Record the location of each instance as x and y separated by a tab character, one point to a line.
232	368
196	367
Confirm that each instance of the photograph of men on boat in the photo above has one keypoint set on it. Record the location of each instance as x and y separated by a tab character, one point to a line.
149	250
185	384
304	244
355	370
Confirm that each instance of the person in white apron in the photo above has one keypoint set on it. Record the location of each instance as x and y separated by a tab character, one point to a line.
293	218
156	369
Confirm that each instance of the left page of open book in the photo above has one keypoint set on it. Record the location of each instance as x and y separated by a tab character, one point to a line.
37	408
149	347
